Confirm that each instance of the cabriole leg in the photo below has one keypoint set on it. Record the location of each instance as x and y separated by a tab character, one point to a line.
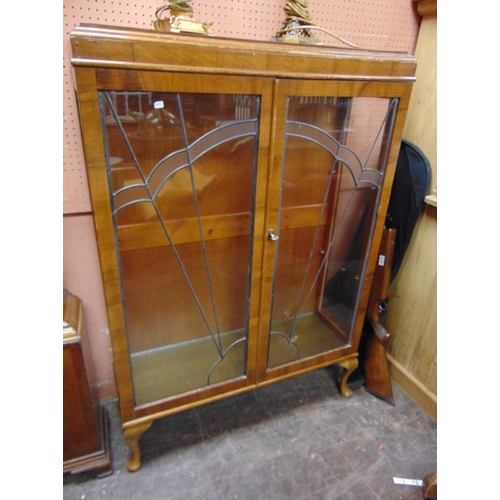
348	366
132	435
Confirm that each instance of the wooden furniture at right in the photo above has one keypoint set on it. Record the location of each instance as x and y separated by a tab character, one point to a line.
412	315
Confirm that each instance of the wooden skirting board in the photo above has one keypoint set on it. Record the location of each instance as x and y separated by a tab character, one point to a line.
413	388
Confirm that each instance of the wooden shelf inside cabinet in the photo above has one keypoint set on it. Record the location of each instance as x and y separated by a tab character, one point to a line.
85	421
239	191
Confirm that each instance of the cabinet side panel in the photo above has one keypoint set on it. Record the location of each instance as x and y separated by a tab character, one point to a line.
96	171
80	430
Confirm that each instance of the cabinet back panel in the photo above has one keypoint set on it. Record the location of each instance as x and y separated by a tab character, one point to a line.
161	307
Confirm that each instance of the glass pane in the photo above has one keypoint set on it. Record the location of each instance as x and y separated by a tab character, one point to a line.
334	160
181	171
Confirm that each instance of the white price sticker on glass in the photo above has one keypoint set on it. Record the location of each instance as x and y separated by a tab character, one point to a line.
159	105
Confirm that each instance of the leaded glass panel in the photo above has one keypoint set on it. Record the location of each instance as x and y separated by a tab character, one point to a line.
333	166
181	169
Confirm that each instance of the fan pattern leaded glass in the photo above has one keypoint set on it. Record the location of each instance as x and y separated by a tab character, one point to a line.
181	176
333	166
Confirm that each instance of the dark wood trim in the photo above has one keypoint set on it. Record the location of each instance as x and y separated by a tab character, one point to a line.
427	7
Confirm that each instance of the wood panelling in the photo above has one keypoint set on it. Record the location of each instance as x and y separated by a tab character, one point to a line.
421	124
413	304
412	315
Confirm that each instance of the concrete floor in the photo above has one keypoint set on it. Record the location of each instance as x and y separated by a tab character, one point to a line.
297	439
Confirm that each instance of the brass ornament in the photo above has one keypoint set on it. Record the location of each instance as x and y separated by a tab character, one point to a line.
298	26
181	19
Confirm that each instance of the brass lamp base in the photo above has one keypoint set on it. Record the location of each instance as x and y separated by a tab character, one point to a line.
294	30
180	20
297	25
183	24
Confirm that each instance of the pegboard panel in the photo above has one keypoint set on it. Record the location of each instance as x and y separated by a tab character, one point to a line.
372	24
112	12
249	19
381	24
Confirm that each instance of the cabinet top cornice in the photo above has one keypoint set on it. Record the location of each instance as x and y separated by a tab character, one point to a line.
120	47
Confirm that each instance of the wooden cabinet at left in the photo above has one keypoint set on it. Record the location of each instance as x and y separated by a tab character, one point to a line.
85	421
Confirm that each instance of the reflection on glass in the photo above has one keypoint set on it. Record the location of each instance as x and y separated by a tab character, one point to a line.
181	173
334	160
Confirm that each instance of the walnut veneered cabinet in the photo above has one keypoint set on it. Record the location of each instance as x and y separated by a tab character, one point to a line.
239	192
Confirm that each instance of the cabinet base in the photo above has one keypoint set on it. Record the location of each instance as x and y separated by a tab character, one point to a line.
132	432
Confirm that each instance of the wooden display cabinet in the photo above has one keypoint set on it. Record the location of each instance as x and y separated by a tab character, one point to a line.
239	192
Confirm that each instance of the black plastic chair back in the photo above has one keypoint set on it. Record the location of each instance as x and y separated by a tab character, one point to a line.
411	184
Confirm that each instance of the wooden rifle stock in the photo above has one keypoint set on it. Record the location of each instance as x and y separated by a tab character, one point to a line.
376	366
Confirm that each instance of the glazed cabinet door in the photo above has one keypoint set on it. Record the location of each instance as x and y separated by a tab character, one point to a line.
181	160
332	142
